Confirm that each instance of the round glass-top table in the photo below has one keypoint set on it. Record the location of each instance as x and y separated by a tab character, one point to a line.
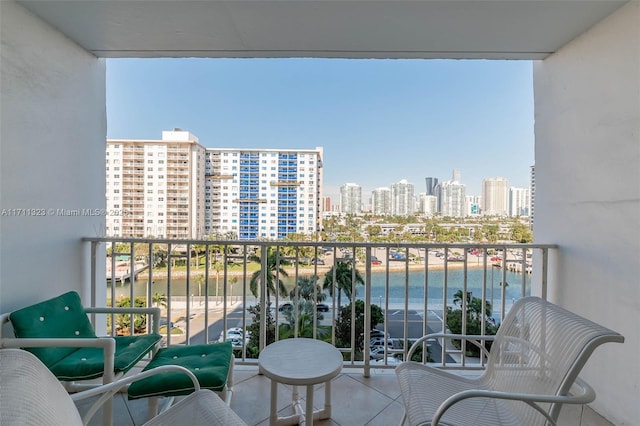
300	362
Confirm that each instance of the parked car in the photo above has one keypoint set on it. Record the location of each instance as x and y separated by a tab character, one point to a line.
380	342
285	307
235	336
236	342
317	261
377	352
391	360
322	307
375	333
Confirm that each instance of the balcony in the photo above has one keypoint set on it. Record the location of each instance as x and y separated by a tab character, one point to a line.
206	301
587	196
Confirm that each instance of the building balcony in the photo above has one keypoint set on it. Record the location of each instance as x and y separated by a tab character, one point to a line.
587	197
395	280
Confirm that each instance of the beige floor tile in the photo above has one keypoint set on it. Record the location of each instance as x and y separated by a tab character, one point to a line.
353	403
251	399
356	401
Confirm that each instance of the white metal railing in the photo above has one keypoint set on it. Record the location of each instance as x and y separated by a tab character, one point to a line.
206	289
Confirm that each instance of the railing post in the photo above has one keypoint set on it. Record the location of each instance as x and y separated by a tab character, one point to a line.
367	312
263	296
94	278
545	271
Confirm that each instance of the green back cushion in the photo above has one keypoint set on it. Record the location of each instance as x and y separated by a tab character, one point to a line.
210	364
62	316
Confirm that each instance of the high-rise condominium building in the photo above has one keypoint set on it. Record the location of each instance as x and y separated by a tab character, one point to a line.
402	198
158	185
495	197
326	204
532	195
519	201
263	193
452	196
351	198
473	205
381	201
428	204
431	182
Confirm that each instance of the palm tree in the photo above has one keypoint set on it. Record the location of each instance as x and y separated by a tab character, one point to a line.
343	280
159	300
217	267
197	249
308	289
304	321
273	271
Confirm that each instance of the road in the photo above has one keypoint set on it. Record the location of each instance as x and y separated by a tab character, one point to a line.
234	319
415	320
395	325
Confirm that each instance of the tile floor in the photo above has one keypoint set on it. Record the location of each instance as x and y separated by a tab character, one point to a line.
356	401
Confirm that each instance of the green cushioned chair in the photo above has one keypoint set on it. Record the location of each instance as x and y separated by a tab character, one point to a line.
59	333
212	364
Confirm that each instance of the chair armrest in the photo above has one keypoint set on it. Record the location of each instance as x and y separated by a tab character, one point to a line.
108	390
154	312
468	337
586	395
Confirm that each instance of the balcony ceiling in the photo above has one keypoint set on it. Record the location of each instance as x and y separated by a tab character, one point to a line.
497	29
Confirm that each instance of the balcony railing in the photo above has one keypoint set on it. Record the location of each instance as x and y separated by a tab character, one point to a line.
208	288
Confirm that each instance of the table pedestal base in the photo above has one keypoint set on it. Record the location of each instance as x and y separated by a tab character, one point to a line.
300	417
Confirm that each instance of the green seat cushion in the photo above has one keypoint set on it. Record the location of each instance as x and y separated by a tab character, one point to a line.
62	316
88	363
209	363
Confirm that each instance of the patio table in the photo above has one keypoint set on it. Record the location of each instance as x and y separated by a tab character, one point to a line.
300	362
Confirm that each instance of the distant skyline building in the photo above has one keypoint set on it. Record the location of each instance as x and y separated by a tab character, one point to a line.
326	204
519	202
473	205
495	197
402	198
452	196
427	204
158	184
351	198
532	195
431	182
381	201
263	193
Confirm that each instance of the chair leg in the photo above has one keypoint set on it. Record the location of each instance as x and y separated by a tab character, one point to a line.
153	407
227	392
107	412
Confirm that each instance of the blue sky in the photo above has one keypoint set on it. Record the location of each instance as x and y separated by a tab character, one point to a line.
379	121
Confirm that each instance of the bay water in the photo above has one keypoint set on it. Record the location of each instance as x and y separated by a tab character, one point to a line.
401	284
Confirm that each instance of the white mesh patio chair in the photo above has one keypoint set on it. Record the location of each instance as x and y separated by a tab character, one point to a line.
531	371
31	395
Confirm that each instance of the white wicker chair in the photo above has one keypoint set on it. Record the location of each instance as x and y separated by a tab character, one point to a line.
531	371
31	395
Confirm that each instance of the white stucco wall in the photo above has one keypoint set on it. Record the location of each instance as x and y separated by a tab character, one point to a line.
587	157
52	144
